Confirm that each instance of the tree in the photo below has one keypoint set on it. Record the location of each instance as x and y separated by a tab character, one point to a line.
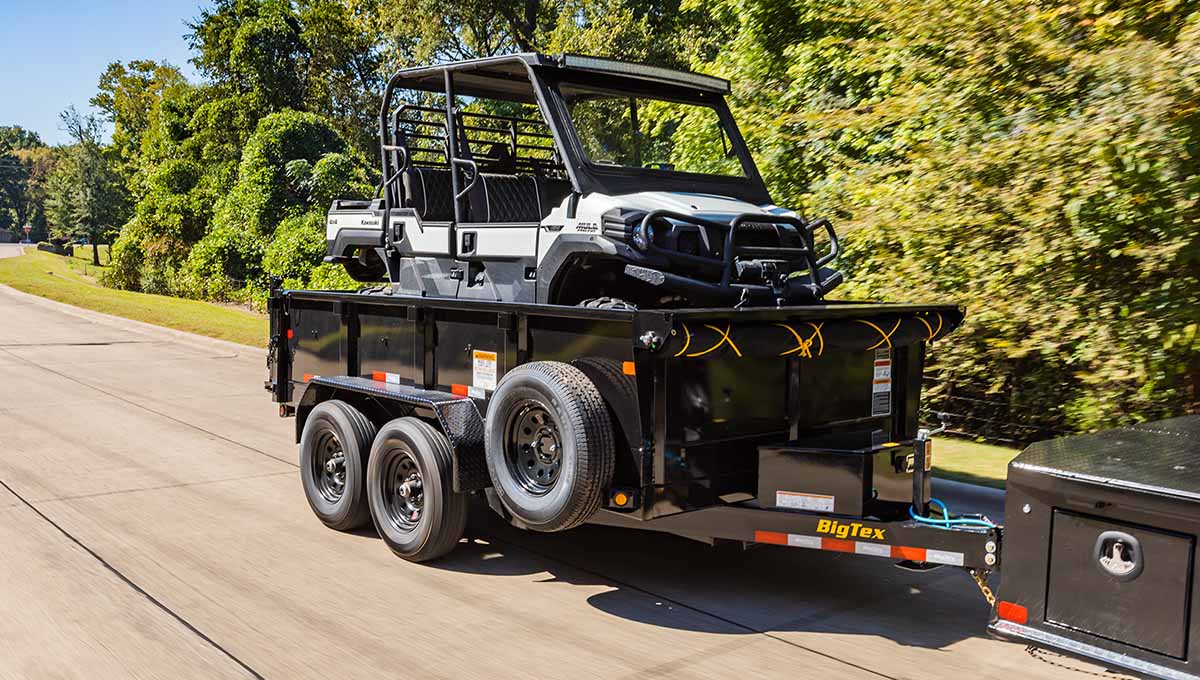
17	138
85	195
127	96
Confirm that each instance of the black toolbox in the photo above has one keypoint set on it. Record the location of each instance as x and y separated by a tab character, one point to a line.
1100	545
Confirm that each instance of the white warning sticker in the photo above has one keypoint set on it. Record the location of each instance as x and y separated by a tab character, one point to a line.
881	383
803	501
483	370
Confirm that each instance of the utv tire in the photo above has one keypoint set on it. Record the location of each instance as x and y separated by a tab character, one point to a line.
366	268
608	303
333	464
410	490
550	445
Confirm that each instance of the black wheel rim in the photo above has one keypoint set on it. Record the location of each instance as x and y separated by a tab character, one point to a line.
329	467
403	490
533	447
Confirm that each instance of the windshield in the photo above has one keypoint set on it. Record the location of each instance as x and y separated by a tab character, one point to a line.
637	131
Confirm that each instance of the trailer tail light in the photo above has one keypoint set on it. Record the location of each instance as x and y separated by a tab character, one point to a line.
1012	612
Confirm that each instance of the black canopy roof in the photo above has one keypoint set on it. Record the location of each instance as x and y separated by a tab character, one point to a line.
507	76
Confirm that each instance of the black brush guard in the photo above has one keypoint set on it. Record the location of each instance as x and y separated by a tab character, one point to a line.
791	288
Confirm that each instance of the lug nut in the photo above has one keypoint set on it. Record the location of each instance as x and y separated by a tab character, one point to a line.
990	546
989	559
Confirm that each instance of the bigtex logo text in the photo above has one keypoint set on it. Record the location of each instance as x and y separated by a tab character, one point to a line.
852	530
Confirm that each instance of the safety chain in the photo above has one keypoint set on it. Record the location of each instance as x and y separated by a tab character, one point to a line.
1046	658
980	576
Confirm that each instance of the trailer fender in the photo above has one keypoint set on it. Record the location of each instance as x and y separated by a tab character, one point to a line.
456	416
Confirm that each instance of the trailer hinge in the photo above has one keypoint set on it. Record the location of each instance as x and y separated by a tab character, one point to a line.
980	576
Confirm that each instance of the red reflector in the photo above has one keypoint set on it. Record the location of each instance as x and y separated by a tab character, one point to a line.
379	375
460	390
770	537
837	545
290	334
1012	612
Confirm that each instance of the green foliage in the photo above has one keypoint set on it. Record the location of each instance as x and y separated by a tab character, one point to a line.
1040	168
85	197
223	265
263	195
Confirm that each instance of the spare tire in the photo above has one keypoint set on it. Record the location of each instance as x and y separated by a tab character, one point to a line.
550	445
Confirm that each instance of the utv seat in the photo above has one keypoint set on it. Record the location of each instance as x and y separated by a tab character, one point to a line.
497	198
430	193
508	198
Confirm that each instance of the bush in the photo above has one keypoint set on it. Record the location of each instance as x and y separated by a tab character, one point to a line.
263	195
296	249
223	266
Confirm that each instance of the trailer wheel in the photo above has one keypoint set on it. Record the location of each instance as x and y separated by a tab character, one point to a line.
607	303
550	448
411	492
333	463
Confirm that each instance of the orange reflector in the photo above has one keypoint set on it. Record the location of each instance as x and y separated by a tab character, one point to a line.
1012	612
628	368
837	545
900	552
620	498
460	390
929	455
379	375
776	537
308	377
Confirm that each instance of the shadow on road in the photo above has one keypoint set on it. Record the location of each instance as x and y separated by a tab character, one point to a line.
667	581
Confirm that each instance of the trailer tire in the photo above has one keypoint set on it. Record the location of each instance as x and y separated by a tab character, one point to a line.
425	521
608	303
550	445
333	464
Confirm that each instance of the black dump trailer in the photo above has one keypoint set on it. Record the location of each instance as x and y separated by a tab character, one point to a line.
792	426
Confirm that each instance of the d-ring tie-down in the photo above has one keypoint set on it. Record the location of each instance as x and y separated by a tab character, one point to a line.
724	339
886	337
804	345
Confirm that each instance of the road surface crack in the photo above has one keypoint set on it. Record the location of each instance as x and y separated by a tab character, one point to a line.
133	585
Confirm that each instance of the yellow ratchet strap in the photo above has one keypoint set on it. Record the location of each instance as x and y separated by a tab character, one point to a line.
724	339
886	337
687	342
804	345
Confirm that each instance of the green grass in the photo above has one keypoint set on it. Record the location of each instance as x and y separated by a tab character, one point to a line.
85	253
971	462
69	280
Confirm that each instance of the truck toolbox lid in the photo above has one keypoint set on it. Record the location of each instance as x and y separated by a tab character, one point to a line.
1161	457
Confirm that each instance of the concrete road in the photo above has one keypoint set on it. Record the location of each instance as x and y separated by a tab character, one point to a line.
153	526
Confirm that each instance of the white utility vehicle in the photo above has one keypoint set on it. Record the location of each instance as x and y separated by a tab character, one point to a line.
574	180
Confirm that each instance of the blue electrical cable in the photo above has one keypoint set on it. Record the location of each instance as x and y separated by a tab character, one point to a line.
946	522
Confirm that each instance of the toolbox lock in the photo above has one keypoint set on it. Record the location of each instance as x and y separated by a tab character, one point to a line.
1119	555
